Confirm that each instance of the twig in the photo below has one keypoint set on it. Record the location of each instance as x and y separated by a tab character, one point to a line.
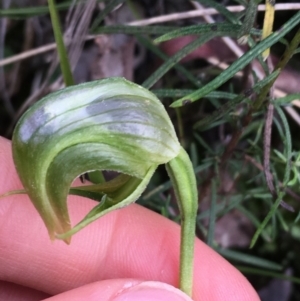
27	54
267	137
267	147
208	11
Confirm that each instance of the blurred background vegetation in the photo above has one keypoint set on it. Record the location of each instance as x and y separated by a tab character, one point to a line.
236	112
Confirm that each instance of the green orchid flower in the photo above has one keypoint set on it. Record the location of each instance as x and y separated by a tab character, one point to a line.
111	124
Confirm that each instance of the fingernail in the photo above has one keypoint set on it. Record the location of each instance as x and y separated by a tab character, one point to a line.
151	291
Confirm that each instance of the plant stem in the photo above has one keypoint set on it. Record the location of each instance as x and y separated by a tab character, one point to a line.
62	52
182	175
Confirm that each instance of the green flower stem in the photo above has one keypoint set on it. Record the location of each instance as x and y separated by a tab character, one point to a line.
181	172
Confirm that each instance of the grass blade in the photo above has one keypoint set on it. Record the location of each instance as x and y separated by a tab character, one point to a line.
249	20
286	99
249	259
267	218
149	45
226	108
212	214
219	28
25	12
231	17
163	69
62	52
241	62
134	30
253	271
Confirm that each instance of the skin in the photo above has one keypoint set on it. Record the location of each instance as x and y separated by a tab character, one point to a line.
129	254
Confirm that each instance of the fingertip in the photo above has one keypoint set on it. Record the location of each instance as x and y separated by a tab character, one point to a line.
14	292
150	291
123	290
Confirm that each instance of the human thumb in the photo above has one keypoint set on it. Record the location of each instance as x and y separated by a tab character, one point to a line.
123	290
150	291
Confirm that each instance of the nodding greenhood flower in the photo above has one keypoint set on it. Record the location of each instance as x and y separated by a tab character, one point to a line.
111	124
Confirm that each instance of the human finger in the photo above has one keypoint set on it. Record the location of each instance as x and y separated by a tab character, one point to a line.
129	243
14	292
121	290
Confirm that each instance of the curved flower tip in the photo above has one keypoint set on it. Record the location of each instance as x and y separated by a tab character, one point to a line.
111	124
